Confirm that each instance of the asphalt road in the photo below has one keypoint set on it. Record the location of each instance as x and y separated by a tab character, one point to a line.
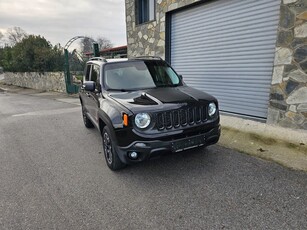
53	176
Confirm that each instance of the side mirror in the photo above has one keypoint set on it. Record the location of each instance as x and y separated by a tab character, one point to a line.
180	76
89	86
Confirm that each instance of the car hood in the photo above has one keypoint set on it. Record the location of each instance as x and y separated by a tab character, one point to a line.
161	98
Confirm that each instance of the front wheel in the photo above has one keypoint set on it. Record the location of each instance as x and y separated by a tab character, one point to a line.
87	122
112	159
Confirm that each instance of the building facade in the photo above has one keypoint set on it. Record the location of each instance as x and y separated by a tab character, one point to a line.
114	52
251	55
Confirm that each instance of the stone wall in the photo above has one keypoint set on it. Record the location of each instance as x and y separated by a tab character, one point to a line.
288	98
46	81
149	38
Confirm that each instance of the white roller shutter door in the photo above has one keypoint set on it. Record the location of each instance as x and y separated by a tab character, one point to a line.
226	48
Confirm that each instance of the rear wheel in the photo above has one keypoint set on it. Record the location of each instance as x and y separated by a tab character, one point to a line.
112	159
87	122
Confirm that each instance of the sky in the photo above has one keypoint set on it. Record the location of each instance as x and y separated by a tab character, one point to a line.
60	20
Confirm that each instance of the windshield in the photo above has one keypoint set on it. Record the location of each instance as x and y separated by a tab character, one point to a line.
139	75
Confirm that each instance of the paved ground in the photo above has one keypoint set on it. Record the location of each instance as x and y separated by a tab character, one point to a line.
53	176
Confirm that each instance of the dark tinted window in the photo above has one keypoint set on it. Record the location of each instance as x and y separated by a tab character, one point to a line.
95	74
145	10
87	72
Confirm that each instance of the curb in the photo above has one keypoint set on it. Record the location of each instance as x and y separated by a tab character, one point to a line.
284	146
2	90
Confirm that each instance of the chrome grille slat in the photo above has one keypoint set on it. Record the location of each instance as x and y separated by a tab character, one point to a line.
181	117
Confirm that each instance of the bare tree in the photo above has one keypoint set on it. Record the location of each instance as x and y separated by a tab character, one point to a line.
15	35
104	43
86	44
1	36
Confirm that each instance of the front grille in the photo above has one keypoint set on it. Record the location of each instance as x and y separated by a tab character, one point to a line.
181	117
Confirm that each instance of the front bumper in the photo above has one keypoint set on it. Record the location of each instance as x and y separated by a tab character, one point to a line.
148	149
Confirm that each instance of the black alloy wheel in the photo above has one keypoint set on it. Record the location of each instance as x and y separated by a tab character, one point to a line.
112	159
87	122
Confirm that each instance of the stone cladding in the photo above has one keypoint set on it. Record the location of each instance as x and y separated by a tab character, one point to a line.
288	97
149	38
287	105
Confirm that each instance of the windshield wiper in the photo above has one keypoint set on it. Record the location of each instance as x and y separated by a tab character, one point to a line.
162	86
121	90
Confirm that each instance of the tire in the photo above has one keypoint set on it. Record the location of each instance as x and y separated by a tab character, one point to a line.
111	156
87	122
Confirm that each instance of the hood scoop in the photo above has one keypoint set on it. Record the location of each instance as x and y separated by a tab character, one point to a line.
144	99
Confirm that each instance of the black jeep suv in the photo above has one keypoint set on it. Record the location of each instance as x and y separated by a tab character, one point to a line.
142	107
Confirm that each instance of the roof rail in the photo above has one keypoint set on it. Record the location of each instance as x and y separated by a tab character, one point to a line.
98	59
148	57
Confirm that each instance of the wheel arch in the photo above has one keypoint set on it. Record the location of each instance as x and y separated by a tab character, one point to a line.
104	121
101	124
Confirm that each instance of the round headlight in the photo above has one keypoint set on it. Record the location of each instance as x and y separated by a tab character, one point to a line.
142	120
211	109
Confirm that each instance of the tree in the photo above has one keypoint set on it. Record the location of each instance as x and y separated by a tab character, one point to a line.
104	43
1	35
57	58
87	44
36	54
30	53
15	35
2	40
6	58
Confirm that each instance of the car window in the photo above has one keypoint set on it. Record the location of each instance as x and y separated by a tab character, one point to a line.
95	73
139	75
87	72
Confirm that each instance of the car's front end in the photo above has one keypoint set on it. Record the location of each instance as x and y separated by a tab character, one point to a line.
163	114
152	129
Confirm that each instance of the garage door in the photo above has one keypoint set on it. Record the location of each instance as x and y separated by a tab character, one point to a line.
227	48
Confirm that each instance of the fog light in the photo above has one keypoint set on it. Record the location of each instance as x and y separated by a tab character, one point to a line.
133	155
